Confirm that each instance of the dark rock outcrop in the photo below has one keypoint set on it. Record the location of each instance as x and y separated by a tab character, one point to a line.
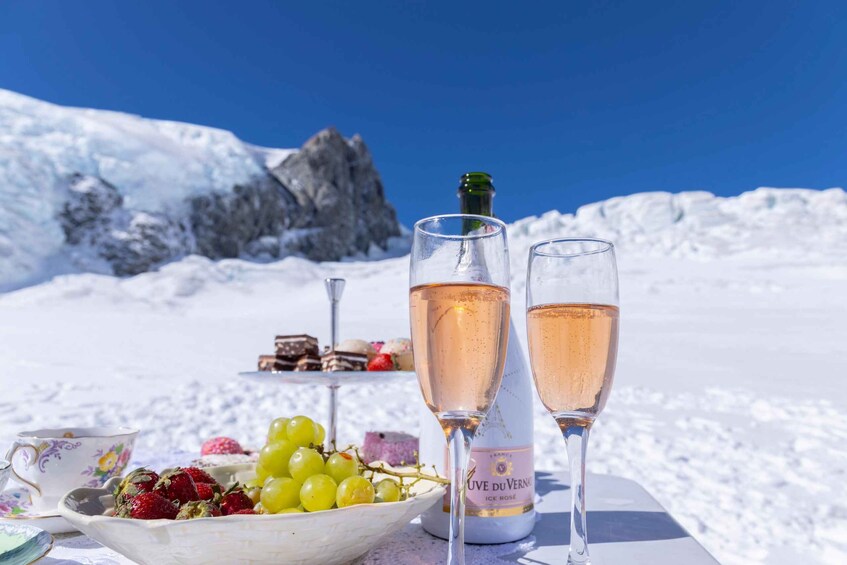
129	241
323	202
90	202
225	225
338	188
143	242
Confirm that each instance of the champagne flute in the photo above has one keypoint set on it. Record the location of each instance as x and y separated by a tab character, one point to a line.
572	322
459	313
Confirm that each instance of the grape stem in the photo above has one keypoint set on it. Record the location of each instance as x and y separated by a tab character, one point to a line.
381	468
416	475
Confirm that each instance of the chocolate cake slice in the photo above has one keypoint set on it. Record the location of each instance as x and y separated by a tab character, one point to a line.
332	363
283	364
266	362
295	346
344	361
308	363
275	363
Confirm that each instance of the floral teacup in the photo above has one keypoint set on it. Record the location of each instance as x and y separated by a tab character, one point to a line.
52	462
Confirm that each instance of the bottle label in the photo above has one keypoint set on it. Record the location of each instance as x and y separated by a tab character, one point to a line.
501	482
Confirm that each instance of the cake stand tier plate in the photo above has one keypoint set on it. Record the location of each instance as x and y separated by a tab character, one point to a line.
327	378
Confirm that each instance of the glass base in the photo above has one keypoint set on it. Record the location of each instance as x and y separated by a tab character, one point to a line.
482	531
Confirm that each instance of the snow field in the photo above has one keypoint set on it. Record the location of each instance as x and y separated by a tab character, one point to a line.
727	406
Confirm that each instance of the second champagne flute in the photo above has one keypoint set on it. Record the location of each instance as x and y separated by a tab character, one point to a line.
572	322
459	313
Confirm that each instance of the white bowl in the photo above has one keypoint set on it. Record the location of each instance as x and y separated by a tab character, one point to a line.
329	537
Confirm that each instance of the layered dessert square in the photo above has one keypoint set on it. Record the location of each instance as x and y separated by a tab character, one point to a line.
295	346
275	363
308	363
344	361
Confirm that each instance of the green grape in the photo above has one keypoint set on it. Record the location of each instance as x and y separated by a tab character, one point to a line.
254	494
261	473
341	465
301	430
387	490
304	463
279	494
274	457
297	510
354	490
254	483
320	434
277	431
318	493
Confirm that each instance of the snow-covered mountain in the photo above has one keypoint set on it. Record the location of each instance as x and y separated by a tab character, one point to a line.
766	222
103	191
91	190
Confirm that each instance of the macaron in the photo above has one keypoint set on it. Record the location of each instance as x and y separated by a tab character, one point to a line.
357	346
401	349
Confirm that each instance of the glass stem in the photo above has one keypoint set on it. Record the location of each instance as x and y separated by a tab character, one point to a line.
459	446
576	431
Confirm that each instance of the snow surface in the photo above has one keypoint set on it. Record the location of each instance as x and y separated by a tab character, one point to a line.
729	404
155	164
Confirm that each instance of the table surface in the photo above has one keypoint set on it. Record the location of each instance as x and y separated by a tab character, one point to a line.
625	526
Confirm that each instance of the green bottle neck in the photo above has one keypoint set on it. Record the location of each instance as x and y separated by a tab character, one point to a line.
476	194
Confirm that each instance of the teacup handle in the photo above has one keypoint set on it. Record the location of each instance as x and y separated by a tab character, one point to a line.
18	445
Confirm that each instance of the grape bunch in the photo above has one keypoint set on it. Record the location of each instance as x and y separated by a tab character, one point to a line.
295	474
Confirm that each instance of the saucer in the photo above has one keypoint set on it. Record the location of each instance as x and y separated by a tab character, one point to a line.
21	543
16	508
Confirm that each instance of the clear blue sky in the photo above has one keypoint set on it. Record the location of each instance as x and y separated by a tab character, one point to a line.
564	103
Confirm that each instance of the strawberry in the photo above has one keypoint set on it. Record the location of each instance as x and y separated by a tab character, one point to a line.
177	485
200	476
221	446
234	500
198	509
209	492
245	511
138	481
150	506
382	362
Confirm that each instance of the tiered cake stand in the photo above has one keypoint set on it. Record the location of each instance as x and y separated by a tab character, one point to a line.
332	380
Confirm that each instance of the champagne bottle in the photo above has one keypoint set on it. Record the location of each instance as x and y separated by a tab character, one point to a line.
500	494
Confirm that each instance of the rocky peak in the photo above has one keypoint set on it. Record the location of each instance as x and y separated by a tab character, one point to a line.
335	182
324	202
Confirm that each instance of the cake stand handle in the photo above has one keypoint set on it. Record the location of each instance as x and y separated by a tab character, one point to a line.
334	290
333	416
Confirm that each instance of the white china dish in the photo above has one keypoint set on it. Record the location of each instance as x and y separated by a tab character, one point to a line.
330	537
21	543
16	508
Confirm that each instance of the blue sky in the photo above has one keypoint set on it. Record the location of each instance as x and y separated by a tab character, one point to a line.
565	103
